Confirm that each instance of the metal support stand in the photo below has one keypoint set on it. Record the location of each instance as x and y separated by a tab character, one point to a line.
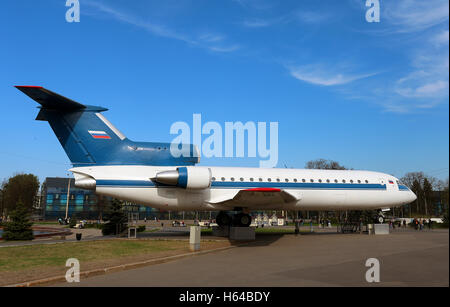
194	239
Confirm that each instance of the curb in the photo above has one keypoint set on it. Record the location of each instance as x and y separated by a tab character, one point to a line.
122	267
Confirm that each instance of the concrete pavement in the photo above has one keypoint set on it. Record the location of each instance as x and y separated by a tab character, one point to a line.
407	258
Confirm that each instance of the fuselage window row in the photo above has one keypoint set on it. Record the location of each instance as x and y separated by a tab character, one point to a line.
242	179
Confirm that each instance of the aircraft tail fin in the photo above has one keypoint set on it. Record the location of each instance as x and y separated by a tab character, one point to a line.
85	135
88	138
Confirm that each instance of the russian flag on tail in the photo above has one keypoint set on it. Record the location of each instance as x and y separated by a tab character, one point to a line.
99	135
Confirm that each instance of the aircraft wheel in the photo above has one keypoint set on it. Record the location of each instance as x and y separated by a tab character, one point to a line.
223	219
243	220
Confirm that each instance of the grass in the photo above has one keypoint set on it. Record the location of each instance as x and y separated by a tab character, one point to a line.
20	258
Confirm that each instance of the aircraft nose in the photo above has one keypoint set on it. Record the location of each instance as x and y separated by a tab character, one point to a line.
412	196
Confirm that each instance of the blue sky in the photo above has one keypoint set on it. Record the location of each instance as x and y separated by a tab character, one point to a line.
369	95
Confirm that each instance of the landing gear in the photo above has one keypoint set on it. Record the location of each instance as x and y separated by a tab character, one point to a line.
242	220
223	219
379	218
238	220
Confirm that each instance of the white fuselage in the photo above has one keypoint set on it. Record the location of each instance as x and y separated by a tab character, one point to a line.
310	189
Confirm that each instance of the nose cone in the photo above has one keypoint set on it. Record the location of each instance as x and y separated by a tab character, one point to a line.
412	197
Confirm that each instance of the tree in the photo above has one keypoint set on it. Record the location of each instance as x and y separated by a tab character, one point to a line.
116	221
324	164
19	226
2	202
427	196
21	188
101	203
445	198
417	189
409	178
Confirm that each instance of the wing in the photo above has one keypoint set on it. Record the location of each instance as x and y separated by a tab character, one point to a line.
258	197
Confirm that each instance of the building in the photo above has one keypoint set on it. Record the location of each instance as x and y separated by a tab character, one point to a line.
83	204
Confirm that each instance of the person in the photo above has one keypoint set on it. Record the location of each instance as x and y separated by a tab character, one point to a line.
421	224
429	224
404	223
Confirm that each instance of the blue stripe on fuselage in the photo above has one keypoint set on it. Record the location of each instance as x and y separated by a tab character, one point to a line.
247	185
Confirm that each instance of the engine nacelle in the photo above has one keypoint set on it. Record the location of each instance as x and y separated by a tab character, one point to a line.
189	177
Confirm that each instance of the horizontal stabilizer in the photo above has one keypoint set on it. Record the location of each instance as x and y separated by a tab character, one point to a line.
49	99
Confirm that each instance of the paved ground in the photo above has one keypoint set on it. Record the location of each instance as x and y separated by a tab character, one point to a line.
87	235
407	257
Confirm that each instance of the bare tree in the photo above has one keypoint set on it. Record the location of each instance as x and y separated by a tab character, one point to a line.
324	164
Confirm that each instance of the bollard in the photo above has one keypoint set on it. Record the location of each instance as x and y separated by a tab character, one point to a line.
194	239
370	229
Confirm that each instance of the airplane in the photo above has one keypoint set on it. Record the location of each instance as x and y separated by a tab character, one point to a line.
106	161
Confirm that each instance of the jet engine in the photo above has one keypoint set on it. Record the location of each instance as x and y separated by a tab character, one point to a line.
190	177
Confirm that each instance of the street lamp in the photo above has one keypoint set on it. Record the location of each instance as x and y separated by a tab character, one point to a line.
68	195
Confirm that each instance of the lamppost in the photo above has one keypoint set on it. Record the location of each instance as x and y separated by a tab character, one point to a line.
67	202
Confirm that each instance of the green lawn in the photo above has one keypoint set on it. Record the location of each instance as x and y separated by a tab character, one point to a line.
49	255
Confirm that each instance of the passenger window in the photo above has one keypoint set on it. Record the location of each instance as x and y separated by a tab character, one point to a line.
320	180
359	181
251	179
269	179
295	179
287	180
223	178
328	180
303	180
242	179
343	180
335	180
351	180
232	178
213	178
260	179
278	179
312	180
367	181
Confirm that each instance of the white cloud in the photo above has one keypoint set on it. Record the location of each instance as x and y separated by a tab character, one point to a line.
429	79
440	39
302	16
255	4
311	17
224	49
257	23
207	41
153	28
414	15
318	75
